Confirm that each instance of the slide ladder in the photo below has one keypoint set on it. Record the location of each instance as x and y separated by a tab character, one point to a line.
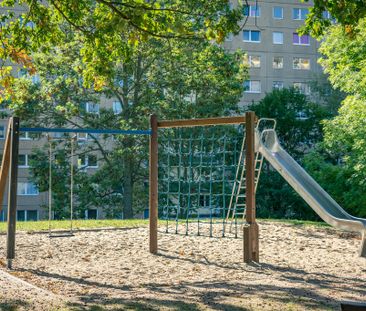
237	205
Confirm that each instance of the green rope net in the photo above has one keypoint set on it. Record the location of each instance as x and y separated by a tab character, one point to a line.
197	168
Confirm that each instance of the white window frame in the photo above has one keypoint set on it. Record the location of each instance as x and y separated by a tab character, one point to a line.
26	188
113	107
301	17
300	62
86	213
273	62
26	214
25	137
273	11
86	164
26	161
250	57
81	138
302	87
250	36
92	166
277	82
250	87
299	43
89	105
273	37
257	10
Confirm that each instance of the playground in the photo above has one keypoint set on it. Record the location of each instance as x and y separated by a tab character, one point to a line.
206	252
302	268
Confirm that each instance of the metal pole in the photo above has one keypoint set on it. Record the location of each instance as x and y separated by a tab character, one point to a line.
153	195
13	183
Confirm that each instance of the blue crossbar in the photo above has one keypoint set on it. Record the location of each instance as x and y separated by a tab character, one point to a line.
90	131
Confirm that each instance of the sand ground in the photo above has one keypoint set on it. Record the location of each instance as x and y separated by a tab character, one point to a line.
301	268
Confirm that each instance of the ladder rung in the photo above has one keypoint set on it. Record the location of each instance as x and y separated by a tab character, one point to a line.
240	205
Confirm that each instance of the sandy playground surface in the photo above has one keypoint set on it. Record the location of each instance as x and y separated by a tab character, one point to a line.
302	268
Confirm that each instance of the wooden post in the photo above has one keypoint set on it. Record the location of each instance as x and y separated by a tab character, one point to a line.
13	181
250	231
153	192
5	164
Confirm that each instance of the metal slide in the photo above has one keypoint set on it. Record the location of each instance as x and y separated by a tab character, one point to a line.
320	201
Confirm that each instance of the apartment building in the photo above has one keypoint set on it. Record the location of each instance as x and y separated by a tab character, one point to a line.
277	55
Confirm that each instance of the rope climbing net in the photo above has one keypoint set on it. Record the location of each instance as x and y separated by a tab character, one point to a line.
197	171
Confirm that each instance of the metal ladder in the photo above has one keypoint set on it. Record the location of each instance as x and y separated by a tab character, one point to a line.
237	208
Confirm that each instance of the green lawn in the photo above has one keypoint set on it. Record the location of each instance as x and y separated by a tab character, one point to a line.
117	223
77	224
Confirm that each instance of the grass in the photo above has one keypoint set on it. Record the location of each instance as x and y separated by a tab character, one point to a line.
77	224
31	226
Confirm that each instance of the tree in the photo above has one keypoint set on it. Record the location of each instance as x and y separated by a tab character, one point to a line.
339	163
170	77
299	129
347	13
106	30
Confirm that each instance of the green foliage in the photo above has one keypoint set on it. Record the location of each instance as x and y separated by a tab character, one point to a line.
109	31
173	78
339	165
298	119
275	198
347	13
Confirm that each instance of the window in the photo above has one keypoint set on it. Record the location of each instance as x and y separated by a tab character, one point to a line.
91	214
204	200
2	131
82	136
20	215
82	161
58	135
92	160
23	160
252	10
299	14
300	40
302	87
277	85
277	12
301	63
301	115
27	188
277	37
24	136
252	86
85	161
254	61
117	107
24	215
277	62
92	108
251	36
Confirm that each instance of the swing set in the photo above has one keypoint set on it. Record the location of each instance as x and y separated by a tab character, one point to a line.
238	203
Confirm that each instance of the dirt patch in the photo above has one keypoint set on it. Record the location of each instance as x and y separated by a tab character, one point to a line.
302	268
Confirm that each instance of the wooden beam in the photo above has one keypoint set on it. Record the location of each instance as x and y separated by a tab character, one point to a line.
250	232
201	122
5	164
153	176
12	199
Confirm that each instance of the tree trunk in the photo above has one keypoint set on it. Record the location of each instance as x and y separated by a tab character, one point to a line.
128	188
